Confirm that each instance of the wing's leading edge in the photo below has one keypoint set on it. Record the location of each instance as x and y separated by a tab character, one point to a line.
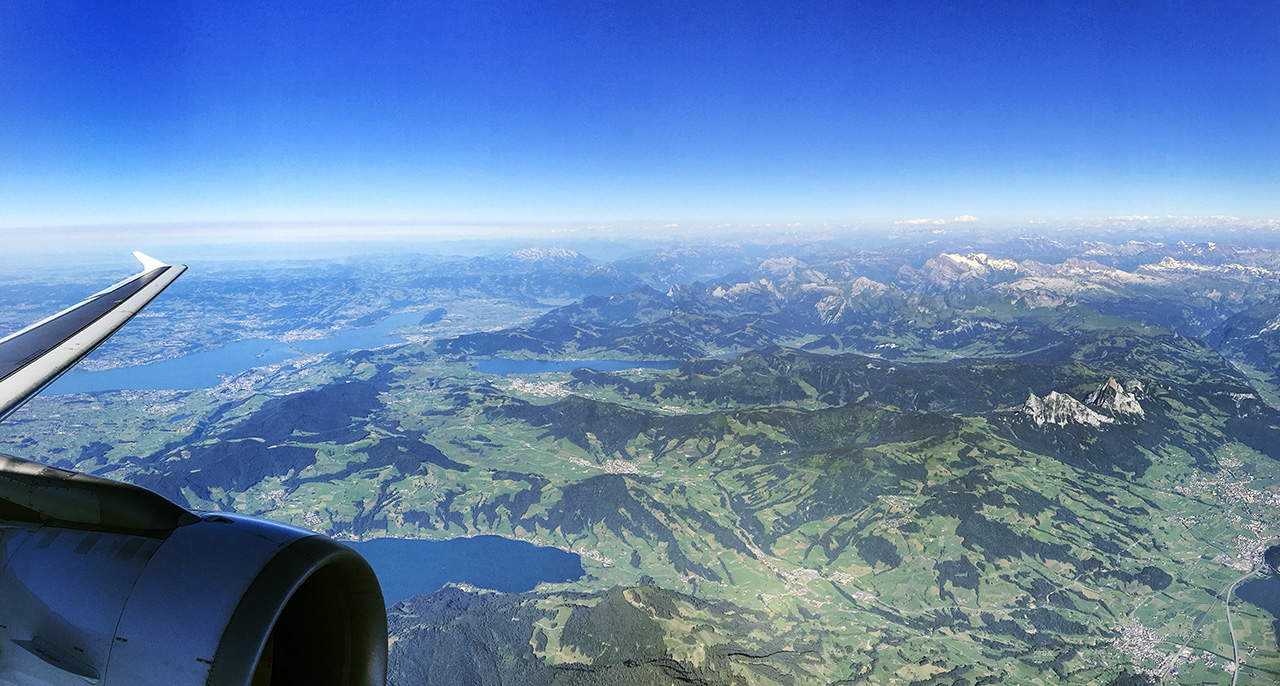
34	357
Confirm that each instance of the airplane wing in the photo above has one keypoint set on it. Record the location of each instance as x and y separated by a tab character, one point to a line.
105	582
37	355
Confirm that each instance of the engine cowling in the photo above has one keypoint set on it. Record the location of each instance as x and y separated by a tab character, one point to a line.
105	583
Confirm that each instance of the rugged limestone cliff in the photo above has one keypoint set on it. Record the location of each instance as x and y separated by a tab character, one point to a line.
1062	410
1118	399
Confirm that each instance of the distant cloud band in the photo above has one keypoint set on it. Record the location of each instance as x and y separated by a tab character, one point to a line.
964	218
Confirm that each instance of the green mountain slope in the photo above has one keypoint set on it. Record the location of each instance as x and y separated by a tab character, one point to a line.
971	470
641	635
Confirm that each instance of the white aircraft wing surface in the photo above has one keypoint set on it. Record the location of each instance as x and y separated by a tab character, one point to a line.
37	355
107	582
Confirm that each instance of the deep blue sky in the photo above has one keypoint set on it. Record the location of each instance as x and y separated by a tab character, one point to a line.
662	111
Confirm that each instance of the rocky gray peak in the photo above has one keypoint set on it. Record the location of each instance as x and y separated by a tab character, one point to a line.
680	292
738	291
1171	266
844	298
1125	249
1075	264
778	267
949	269
1061	409
1116	398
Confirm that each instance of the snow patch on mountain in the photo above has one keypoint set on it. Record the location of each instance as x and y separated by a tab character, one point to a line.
1169	265
1057	285
544	254
1272	325
738	291
1089	269
951	269
981	263
1053	285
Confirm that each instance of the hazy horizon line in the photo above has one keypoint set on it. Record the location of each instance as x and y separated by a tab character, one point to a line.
360	230
109	245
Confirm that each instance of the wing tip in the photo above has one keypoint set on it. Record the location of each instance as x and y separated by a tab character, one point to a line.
148	262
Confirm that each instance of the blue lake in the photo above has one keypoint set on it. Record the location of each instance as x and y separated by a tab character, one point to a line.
1265	592
206	369
503	366
407	568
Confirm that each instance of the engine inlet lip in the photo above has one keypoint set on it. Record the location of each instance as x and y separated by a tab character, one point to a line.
255	616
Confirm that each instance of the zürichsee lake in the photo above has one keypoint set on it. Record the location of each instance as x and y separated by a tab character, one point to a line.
205	369
407	567
503	366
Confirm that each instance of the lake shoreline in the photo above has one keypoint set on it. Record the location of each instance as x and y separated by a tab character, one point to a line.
409	567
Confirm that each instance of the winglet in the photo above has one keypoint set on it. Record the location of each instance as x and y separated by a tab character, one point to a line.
148	262
33	357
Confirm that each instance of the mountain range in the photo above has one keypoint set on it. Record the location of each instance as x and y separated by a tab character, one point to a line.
1018	462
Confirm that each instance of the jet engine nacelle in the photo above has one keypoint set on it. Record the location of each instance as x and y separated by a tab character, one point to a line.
105	583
